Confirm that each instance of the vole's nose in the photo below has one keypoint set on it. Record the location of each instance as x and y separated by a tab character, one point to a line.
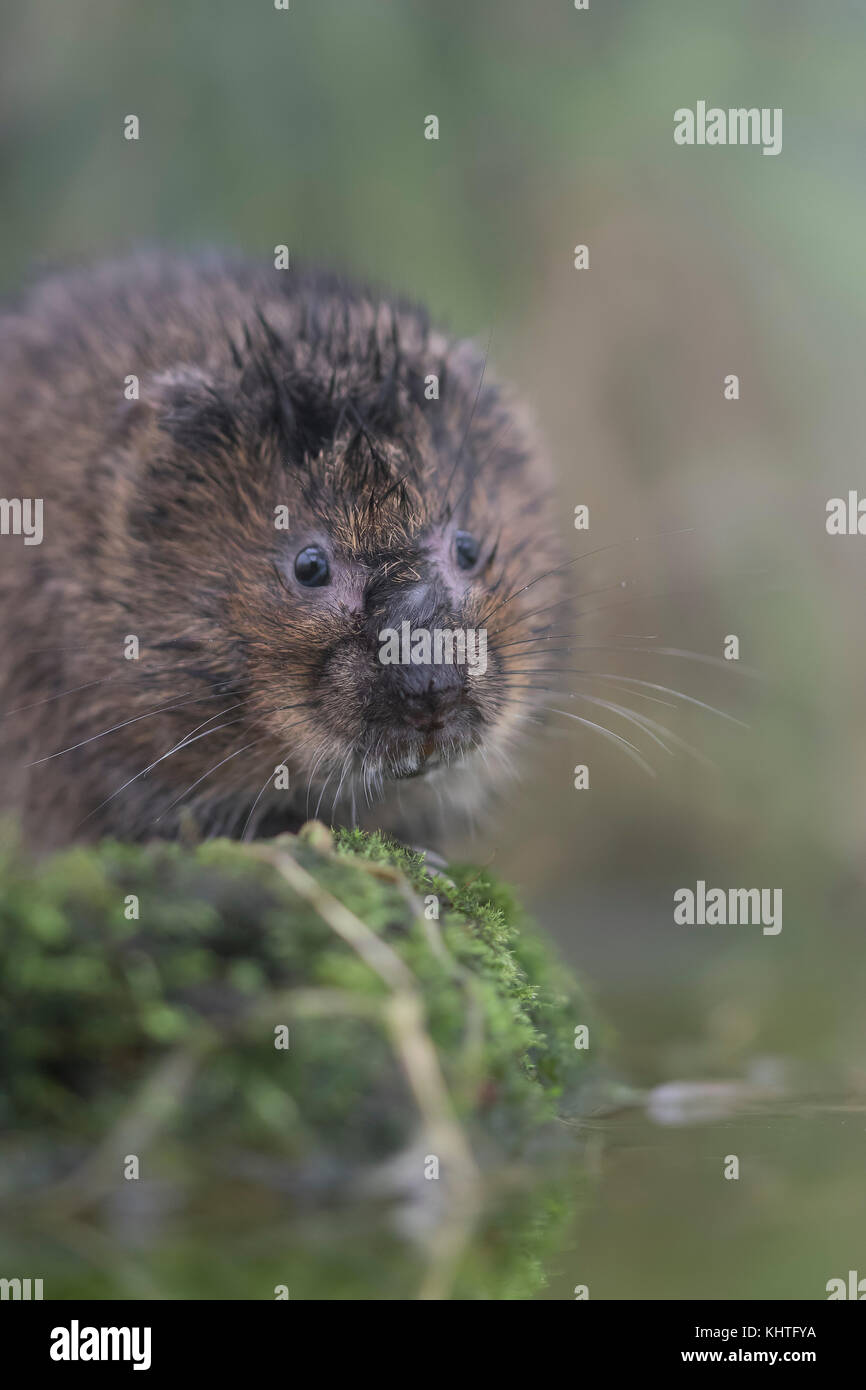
425	695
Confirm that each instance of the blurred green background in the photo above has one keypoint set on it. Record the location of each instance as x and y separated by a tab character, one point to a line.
556	128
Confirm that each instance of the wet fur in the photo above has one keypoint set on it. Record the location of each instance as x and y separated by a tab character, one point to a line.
258	388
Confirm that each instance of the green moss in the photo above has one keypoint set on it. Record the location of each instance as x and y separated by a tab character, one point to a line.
155	1034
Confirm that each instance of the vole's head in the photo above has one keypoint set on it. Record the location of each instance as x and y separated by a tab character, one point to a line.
348	519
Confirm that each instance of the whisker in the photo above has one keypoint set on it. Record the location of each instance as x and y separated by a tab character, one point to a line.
640	721
675	739
614	545
322	793
667	690
614	678
527	641
627	746
346	764
261	793
162	709
569	598
736	667
105	680
319	754
110	649
657	593
184	743
567	694
215	768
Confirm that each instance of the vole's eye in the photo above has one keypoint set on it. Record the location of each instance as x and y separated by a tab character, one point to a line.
312	568
466	549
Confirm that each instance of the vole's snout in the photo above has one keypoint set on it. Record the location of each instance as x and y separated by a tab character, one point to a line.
425	696
426	665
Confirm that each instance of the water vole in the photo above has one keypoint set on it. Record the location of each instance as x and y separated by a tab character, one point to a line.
199	633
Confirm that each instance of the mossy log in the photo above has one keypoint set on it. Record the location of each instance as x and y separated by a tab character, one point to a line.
203	1047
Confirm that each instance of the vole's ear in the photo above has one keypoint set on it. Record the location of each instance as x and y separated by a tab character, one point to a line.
186	403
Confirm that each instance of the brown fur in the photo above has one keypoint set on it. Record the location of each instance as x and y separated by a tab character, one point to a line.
258	388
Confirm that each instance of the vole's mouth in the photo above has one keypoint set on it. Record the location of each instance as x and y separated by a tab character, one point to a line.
419	763
421	757
426	765
409	754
